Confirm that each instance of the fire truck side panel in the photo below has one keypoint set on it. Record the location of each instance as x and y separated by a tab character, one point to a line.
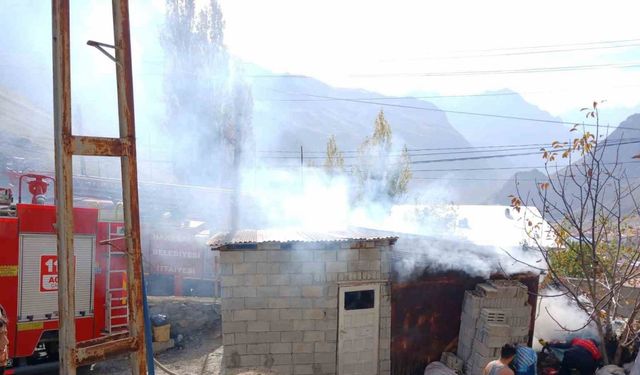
29	333
36	233
38	297
9	274
40	219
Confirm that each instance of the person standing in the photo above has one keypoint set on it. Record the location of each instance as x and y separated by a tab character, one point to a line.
501	365
525	361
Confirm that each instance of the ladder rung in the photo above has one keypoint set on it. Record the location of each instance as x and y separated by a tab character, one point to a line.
120	325
116	290
117	271
119	316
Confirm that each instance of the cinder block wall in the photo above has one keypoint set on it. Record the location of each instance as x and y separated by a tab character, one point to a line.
495	313
280	303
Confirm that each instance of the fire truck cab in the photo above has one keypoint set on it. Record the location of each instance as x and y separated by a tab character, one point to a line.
29	274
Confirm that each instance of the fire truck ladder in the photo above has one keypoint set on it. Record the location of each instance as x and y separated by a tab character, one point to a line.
117	308
74	354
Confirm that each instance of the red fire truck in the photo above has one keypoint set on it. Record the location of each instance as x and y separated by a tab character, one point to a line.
29	280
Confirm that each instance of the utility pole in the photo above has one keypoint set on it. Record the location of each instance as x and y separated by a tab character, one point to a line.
301	167
237	157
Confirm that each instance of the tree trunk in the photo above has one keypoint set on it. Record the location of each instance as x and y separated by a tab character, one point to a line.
617	358
603	340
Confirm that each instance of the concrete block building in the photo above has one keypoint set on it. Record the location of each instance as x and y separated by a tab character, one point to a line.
306	303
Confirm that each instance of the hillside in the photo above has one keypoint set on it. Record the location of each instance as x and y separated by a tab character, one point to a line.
281	104
286	117
523	182
487	130
624	146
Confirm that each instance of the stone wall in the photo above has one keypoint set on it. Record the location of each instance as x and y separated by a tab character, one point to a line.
280	303
187	315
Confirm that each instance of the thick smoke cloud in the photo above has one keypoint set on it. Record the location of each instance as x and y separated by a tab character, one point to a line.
268	196
555	310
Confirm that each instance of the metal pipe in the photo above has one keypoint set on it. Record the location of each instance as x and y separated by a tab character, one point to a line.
147	329
124	79
64	183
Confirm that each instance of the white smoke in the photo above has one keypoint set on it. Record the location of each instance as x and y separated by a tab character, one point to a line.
308	199
434	235
270	197
559	318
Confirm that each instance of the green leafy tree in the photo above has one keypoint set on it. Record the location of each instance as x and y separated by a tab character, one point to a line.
334	161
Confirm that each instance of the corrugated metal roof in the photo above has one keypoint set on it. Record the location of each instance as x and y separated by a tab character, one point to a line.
253	236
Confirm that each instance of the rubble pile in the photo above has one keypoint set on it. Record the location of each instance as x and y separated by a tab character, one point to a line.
495	313
187	315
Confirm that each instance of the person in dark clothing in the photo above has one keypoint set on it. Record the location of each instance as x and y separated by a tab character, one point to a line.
581	354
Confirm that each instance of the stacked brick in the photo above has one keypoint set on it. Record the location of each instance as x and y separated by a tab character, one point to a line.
280	305
493	314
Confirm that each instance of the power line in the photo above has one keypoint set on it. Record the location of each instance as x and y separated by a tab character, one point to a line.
500	156
472	179
400	97
508	117
450	148
419	97
422	154
425	149
494	156
410	154
619	142
556	45
501	71
471	72
523	167
487	179
518	53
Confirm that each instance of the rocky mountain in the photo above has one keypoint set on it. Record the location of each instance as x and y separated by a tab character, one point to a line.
281	104
521	183
622	145
489	130
292	111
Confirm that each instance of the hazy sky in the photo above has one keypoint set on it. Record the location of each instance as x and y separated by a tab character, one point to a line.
386	45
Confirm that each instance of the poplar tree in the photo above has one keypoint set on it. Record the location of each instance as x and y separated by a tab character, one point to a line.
334	162
381	176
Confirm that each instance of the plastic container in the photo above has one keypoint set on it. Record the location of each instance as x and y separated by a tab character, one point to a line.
162	333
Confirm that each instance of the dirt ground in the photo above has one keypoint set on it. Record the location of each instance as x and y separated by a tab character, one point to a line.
187	358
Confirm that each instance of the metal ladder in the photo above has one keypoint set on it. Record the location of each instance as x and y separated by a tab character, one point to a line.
116	306
74	354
